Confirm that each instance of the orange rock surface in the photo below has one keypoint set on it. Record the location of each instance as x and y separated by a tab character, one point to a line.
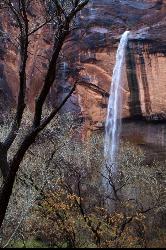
93	50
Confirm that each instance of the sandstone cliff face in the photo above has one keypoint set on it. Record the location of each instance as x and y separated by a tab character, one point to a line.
144	91
92	53
150	74
39	48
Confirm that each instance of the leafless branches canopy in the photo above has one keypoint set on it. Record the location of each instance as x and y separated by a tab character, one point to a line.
61	13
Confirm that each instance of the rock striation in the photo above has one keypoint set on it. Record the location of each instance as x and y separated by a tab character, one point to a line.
90	54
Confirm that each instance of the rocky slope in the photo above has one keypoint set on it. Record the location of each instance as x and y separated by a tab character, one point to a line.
92	51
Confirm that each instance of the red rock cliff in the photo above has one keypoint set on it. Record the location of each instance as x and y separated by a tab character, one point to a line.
92	51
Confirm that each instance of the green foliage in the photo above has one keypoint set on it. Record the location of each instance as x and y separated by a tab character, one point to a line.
27	244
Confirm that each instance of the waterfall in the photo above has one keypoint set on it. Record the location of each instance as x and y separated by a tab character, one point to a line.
92	11
64	71
113	120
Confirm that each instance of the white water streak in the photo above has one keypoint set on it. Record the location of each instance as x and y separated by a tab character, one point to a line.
114	112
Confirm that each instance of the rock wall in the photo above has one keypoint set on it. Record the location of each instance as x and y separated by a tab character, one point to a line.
91	52
148	89
144	92
39	48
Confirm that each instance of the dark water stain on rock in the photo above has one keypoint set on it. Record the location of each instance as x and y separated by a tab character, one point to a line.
134	102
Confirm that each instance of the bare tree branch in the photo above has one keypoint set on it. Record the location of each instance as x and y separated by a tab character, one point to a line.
24	42
10	169
63	32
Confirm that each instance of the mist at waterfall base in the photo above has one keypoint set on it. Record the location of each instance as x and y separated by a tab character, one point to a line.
114	110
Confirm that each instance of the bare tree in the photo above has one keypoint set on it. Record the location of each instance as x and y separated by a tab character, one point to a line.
62	14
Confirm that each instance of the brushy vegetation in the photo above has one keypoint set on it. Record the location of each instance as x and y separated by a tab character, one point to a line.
64	197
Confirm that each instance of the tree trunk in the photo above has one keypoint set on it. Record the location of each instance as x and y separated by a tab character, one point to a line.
8	182
4	166
5	193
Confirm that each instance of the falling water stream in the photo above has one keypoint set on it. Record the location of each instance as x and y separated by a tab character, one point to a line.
113	120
